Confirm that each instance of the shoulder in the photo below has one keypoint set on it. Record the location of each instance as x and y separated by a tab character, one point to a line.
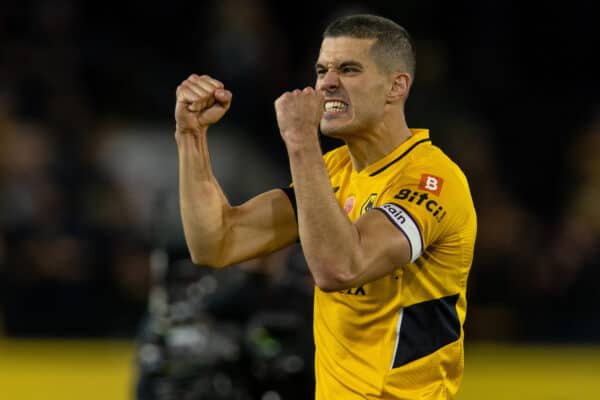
432	180
429	164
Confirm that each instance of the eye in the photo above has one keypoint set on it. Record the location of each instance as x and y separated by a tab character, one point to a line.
350	70
321	72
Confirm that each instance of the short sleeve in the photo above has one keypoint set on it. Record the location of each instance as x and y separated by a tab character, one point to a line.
417	203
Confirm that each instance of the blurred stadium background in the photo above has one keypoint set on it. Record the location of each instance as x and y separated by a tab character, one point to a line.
97	298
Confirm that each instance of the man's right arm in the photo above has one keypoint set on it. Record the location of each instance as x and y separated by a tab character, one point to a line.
216	233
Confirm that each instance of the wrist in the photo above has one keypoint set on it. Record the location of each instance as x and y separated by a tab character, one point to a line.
304	149
184	130
301	143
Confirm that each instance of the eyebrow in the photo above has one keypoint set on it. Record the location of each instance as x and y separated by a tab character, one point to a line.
349	63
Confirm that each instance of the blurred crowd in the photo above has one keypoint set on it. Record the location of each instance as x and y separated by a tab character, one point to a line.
88	165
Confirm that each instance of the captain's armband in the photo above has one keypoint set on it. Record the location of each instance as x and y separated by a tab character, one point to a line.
407	225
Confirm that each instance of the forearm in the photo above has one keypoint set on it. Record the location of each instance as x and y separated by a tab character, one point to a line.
329	239
203	204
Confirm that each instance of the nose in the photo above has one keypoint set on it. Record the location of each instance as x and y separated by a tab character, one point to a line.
329	82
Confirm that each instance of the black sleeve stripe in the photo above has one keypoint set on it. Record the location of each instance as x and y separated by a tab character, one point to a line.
289	192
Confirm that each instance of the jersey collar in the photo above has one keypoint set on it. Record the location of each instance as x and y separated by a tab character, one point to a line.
418	136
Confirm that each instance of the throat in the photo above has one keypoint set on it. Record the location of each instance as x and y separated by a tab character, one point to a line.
368	149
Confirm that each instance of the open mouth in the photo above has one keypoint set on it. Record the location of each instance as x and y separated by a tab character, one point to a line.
335	106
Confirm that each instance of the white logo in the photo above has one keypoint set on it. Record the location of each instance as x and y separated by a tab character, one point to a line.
431	183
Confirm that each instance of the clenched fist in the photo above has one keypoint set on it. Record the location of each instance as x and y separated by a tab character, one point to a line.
299	114
201	101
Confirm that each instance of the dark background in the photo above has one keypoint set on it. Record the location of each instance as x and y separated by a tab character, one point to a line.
88	161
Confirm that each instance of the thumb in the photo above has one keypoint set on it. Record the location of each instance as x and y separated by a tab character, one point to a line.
223	96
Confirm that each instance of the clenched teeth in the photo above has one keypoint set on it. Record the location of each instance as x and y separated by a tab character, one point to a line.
334	106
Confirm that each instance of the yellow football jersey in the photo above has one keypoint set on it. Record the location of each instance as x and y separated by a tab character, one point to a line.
401	336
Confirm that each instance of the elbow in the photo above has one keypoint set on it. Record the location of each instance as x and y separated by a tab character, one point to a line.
334	281
207	253
208	259
329	286
201	261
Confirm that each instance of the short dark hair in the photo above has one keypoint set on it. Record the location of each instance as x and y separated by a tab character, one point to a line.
393	47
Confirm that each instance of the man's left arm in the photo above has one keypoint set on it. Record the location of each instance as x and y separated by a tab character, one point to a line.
340	254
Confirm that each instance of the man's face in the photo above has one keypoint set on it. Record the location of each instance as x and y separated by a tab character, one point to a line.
354	88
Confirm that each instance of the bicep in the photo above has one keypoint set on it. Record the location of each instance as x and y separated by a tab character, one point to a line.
383	246
260	226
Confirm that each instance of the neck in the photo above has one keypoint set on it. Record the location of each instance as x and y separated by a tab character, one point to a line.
369	147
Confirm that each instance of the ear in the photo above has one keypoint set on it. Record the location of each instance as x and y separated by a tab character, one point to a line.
400	86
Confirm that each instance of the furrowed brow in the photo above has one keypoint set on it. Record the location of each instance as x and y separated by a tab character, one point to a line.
349	63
